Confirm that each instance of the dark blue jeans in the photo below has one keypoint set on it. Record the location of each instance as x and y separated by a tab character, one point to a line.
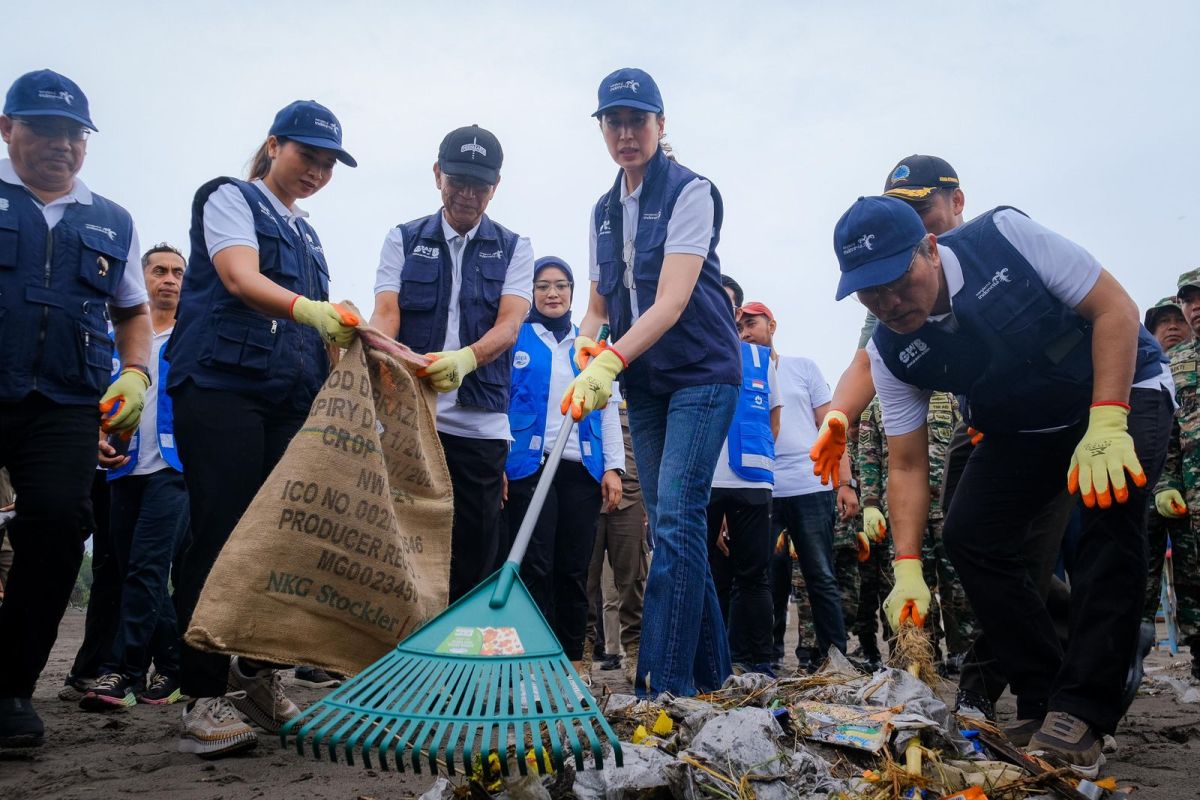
149	521
676	441
809	521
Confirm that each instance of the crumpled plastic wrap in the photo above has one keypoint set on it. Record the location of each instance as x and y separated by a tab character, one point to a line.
644	769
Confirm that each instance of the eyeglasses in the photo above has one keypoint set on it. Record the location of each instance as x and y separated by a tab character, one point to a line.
466	185
633	123
875	293
559	286
51	129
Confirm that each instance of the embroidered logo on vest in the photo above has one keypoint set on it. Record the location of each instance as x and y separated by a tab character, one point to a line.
520	359
1000	277
109	232
497	254
914	352
425	251
3	204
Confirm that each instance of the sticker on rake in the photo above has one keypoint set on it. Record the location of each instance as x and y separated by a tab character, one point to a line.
482	642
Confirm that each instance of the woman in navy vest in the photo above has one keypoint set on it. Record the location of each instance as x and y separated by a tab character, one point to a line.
555	567
247	357
656	281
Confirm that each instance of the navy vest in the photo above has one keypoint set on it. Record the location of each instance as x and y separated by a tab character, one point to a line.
750	443
532	363
425	299
55	286
1021	357
221	343
702	347
164	419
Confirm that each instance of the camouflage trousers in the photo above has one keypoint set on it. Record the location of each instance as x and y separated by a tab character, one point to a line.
845	569
1185	566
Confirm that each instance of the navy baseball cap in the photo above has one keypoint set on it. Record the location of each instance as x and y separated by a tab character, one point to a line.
45	93
471	152
874	242
629	87
915	177
309	122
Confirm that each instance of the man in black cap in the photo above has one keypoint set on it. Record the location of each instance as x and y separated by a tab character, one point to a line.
457	286
64	253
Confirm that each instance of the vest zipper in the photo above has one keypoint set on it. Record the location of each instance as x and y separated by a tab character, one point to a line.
37	359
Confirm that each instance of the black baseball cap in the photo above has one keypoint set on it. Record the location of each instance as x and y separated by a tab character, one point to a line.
471	152
915	177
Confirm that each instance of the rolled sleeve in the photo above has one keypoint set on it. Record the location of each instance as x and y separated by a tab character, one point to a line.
228	221
518	281
391	262
690	228
904	407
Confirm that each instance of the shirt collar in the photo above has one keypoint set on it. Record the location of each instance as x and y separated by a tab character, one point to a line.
452	234
277	204
636	194
79	193
952	269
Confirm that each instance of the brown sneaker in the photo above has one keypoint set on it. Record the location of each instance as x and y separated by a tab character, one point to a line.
1068	739
260	697
1020	731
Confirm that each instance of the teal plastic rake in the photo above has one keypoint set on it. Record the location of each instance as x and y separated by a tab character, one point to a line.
486	676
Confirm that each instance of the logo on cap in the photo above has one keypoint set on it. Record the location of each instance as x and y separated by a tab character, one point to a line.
473	147
49	94
631	85
901	173
862	243
327	125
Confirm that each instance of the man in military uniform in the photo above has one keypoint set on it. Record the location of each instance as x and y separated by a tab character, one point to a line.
1176	510
950	607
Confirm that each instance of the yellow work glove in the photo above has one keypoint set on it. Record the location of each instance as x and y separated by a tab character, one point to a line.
121	405
335	323
909	598
827	451
874	523
1169	503
1104	455
864	546
585	348
448	369
592	387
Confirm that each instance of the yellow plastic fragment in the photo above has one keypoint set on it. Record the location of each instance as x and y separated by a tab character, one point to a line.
639	734
663	725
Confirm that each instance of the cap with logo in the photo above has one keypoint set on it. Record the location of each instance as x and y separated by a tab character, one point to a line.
757	309
45	93
1190	278
874	242
915	177
309	122
471	152
628	87
1158	309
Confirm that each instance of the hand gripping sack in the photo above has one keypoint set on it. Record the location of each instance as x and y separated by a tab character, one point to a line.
345	549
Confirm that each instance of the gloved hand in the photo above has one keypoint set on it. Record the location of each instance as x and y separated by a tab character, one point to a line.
121	405
910	587
1170	504
874	523
1104	455
864	546
585	348
335	323
827	451
592	387
448	369
974	436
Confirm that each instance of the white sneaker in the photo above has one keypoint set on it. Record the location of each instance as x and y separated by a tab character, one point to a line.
260	698
211	729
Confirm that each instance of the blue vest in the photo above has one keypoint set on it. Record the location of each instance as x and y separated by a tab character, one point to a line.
751	445
532	362
221	343
55	286
164	419
1022	358
702	347
425	299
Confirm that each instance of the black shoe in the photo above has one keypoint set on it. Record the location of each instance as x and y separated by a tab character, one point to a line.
952	665
20	725
109	692
970	704
317	678
611	663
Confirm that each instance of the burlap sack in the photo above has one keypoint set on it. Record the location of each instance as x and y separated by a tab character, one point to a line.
346	547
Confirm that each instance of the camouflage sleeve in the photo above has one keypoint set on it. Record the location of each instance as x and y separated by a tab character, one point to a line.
870	456
868	330
1172	473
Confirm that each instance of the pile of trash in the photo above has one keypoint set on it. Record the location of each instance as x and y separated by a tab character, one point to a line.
838	734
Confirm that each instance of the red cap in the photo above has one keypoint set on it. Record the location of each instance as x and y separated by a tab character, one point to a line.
757	309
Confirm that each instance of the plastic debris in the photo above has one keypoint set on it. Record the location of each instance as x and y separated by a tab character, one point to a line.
644	770
663	725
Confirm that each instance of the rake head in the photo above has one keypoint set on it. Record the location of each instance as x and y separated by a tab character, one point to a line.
479	679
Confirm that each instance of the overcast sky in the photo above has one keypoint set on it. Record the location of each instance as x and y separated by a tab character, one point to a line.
1082	114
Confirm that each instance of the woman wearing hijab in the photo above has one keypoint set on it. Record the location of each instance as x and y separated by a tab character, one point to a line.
555	567
656	280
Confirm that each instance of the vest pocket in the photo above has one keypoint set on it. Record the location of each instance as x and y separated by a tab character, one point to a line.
97	352
243	343
491	282
101	260
9	237
419	285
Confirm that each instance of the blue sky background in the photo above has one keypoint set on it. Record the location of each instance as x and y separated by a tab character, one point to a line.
1083	114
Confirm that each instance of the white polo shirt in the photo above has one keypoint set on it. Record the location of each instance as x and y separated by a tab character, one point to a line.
131	291
804	389
149	455
452	418
229	221
1069	273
